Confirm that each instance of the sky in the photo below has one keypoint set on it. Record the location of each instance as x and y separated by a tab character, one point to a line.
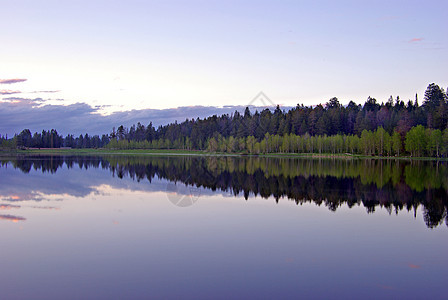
96	61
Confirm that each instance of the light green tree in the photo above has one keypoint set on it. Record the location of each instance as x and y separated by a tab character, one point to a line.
212	145
396	143
416	141
380	140
250	144
435	142
285	144
367	142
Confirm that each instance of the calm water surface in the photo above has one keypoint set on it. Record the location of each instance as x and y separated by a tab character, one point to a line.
117	227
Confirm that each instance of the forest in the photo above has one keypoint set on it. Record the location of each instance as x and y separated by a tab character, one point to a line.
393	128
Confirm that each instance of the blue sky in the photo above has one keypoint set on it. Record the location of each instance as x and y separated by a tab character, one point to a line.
116	56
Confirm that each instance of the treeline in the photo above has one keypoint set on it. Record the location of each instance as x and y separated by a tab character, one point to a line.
418	142
391	128
386	129
51	139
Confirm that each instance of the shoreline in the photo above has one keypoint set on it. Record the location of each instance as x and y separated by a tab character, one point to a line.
176	152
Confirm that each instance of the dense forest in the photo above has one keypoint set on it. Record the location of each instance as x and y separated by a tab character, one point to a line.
392	128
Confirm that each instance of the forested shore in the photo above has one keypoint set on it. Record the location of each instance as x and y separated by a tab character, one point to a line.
393	128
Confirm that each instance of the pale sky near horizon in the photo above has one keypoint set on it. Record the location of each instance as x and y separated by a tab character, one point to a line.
124	55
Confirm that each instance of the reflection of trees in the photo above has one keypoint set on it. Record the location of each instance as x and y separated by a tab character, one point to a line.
435	208
395	185
52	163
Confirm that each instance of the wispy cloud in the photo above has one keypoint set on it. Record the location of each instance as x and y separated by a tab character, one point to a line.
38	92
9	92
10	81
415	40
23	101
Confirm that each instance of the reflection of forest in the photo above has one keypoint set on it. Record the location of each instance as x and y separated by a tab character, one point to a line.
391	184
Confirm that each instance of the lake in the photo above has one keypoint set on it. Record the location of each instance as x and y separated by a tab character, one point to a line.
217	227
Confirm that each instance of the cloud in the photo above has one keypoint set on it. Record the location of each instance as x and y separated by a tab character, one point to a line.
9	92
10	81
80	118
38	92
415	40
23	101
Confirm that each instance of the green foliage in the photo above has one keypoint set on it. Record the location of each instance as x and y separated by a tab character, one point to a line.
381	140
416	141
435	142
8	144
396	143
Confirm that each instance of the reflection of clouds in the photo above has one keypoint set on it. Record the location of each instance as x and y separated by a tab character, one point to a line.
415	40
8	206
12	218
412	266
22	196
36	186
46	207
17	186
386	287
182	195
4	206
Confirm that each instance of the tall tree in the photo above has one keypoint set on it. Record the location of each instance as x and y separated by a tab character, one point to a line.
435	107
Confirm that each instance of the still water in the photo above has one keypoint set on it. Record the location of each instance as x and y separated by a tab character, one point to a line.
117	227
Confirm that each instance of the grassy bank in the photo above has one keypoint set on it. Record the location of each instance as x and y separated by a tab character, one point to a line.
44	151
176	152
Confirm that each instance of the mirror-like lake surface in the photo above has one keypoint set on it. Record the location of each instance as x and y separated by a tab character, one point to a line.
118	227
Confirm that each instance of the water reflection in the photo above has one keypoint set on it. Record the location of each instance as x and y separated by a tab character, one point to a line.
394	185
8	206
12	218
